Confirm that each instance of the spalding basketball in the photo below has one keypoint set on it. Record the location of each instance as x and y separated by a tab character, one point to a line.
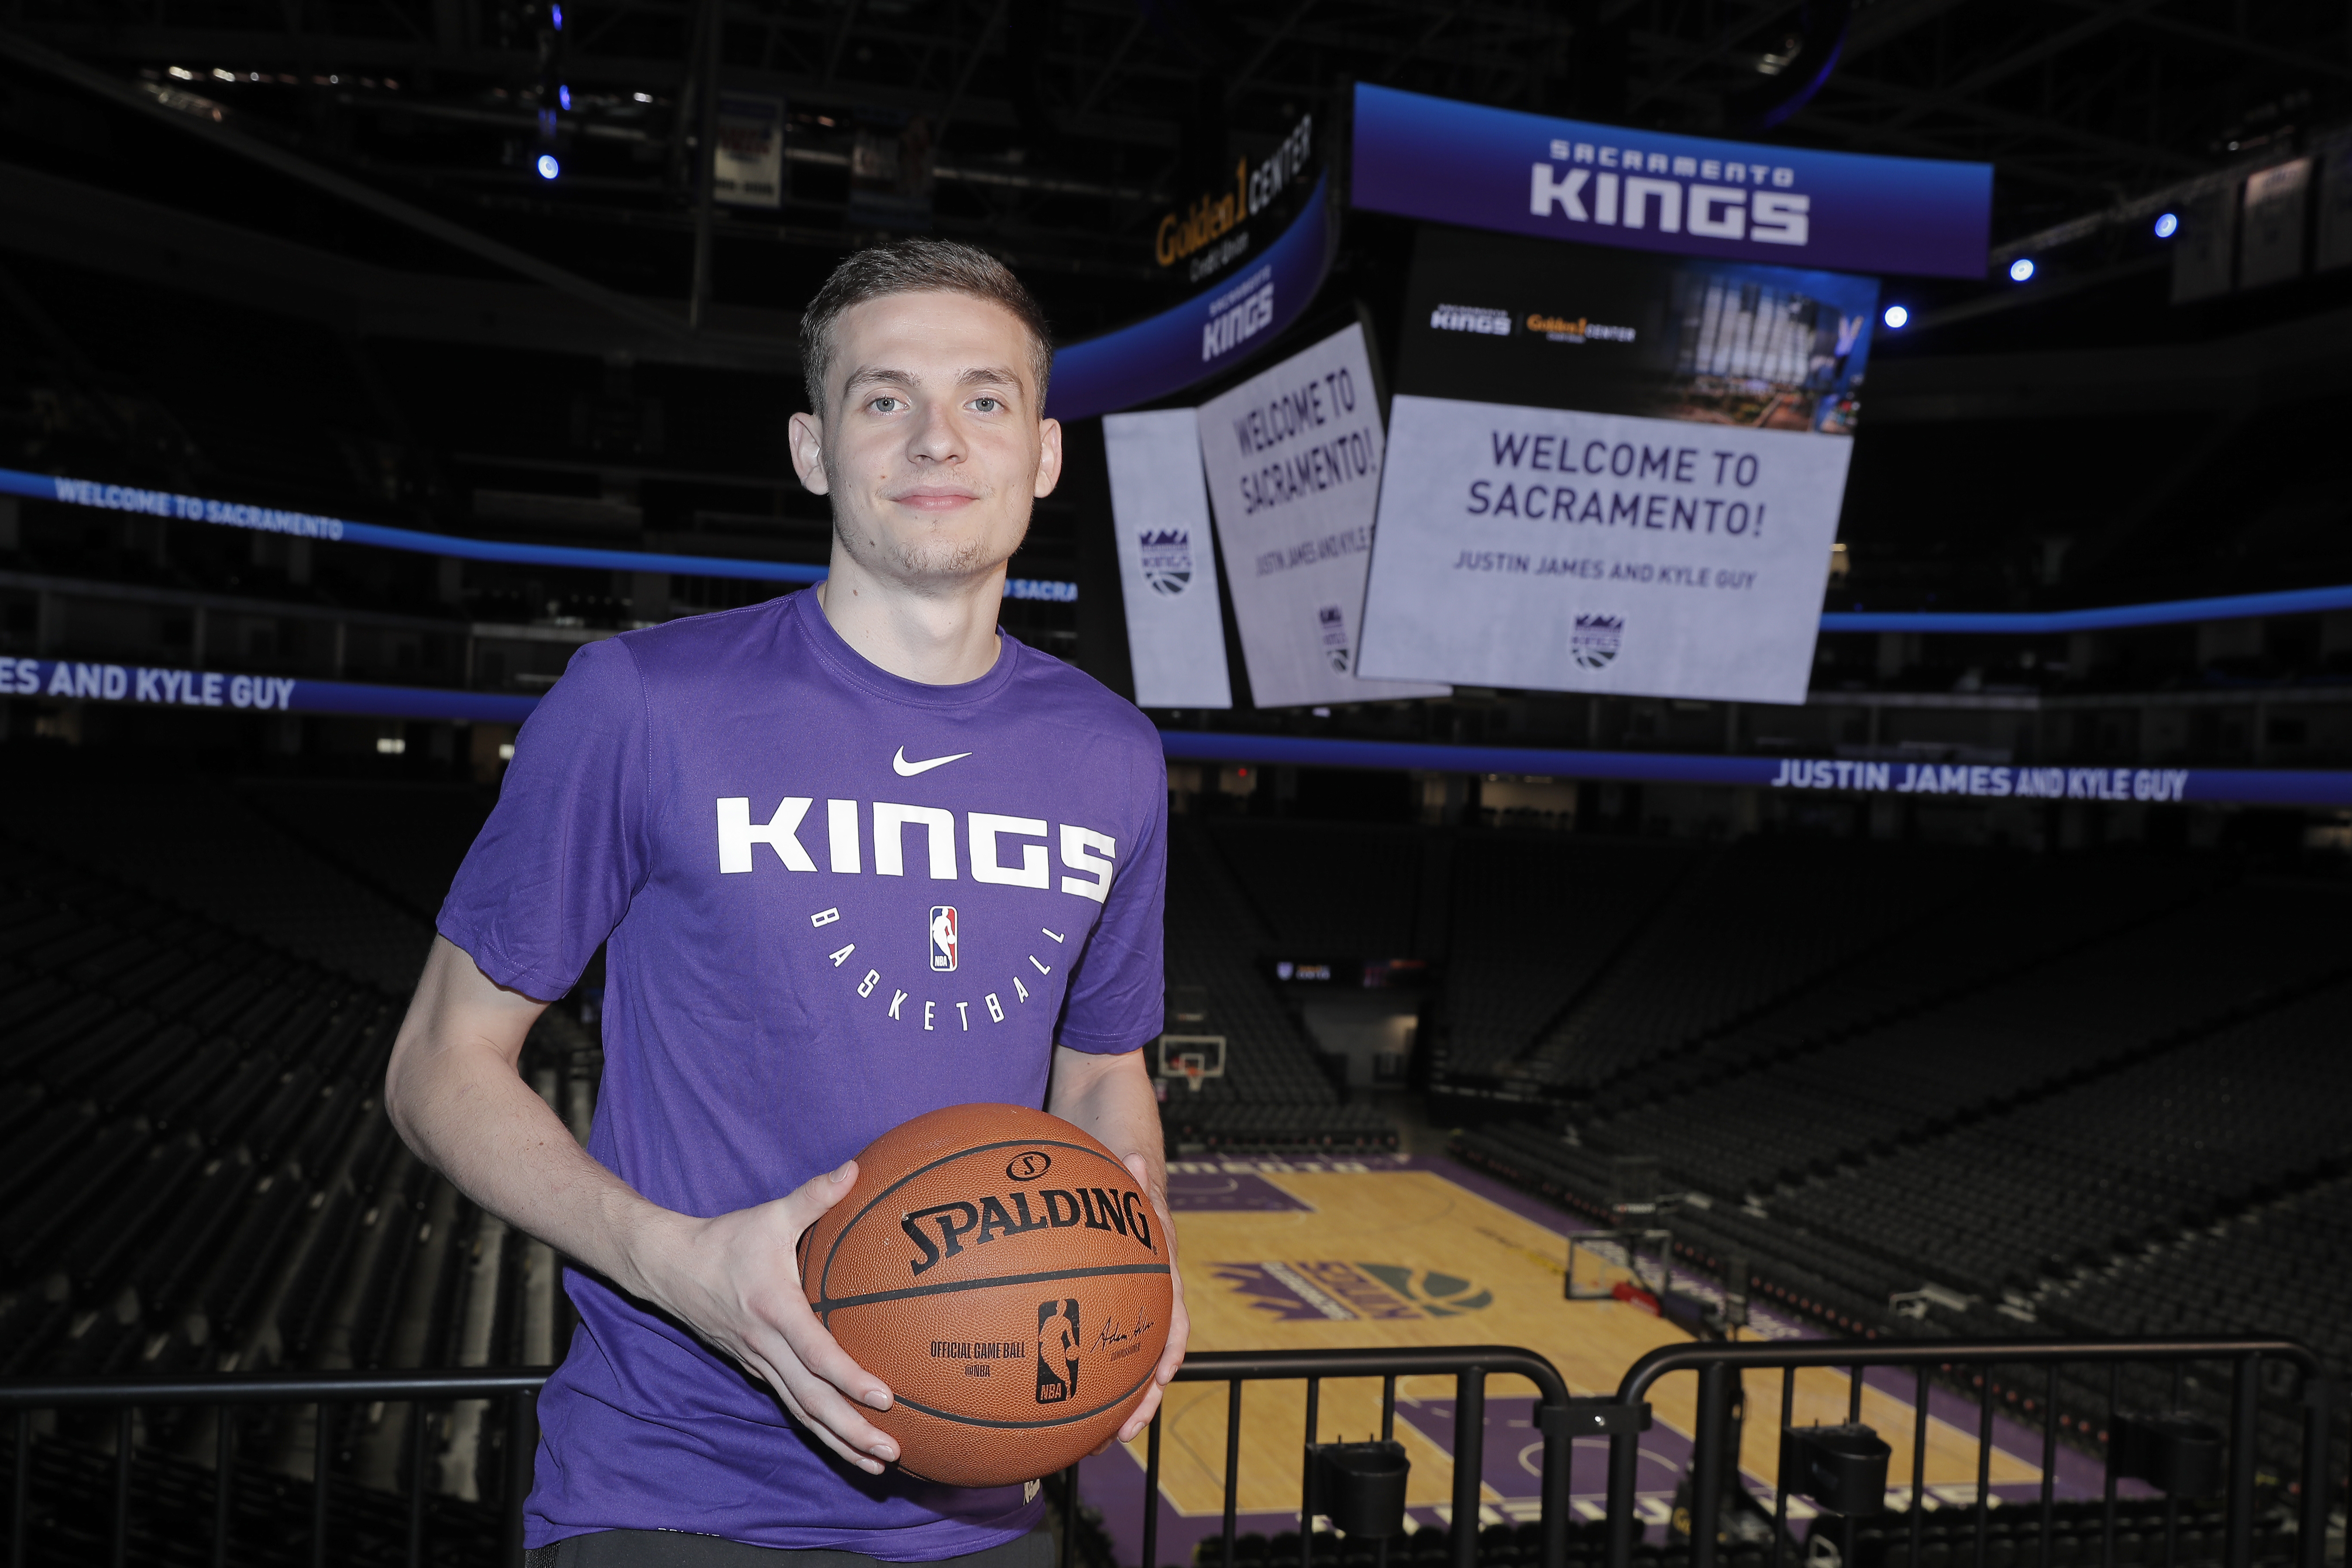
1000	1271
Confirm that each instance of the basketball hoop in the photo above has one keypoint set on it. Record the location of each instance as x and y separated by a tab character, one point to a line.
1193	1069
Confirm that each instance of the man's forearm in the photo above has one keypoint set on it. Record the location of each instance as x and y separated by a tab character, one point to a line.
480	1125
453	1094
1111	1098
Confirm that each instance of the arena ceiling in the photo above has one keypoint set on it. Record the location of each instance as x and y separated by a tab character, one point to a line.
1064	129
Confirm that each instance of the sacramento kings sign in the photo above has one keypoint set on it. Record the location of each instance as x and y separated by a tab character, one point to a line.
1168	561
1595	640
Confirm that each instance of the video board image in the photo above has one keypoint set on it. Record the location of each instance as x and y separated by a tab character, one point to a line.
1543	324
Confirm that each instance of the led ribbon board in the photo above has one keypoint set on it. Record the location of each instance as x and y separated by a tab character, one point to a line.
335	529
1444	162
1216	329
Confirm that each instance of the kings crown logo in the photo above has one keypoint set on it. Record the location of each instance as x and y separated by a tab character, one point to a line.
1333	622
1595	640
1168	561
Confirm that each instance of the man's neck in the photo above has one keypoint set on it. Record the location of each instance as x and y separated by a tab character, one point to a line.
942	638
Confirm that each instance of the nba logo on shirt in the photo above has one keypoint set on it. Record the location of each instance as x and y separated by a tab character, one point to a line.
943	937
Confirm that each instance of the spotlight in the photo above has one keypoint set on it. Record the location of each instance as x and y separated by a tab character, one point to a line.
564	97
2168	226
2022	270
548	167
1897	317
555	14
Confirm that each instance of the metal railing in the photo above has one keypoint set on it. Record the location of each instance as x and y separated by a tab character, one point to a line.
220	1392
1619	1418
1471	1366
1715	1363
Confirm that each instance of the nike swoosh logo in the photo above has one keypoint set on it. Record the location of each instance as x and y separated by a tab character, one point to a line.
906	770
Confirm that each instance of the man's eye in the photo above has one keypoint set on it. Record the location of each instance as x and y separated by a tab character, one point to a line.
986	404
885	404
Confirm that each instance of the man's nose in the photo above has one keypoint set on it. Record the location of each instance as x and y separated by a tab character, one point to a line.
935	437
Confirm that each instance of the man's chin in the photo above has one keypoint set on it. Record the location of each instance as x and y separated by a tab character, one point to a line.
934	564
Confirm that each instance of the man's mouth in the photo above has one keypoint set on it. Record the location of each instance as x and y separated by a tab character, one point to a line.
935	498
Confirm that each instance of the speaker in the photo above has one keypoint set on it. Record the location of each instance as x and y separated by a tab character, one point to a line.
2175	1452
1842	1469
1359	1487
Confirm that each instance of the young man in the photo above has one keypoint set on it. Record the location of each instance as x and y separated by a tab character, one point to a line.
858	856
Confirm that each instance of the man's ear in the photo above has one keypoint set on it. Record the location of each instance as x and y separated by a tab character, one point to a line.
806	438
1049	458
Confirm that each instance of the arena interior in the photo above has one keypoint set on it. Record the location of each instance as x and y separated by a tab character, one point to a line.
2055	1046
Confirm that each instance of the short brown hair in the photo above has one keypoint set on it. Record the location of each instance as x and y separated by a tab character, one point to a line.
916	267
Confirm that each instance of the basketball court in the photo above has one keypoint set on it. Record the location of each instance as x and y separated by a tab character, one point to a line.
1403	1250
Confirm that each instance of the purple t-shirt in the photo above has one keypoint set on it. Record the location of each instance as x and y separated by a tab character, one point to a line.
835	899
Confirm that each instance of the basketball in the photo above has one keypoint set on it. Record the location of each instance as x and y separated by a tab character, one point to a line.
1005	1276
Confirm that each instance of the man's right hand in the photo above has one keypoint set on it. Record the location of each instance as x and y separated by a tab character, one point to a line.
735	1282
453	1092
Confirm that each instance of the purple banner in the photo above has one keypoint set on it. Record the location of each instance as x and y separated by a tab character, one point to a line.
1445	161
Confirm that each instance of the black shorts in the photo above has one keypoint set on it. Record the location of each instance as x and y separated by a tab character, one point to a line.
678	1549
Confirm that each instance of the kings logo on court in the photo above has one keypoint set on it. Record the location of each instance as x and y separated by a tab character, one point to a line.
944	938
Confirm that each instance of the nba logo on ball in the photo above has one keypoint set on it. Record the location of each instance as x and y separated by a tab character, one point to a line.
943	937
1594	641
1058	1351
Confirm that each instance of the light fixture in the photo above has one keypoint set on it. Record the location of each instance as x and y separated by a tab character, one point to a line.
548	167
564	97
390	745
182	72
506	751
642	97
2168	224
2022	270
1897	317
555	14
224	74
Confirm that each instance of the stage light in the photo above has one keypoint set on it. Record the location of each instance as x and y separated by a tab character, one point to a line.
564	97
1897	317
642	96
548	167
2168	224
556	15
2022	270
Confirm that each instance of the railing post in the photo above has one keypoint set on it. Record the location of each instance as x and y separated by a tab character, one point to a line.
1984	1462
1232	1462
1469	1462
1918	1462
20	1488
1624	1459
1559	1484
522	1451
2049	1460
2107	1473
1707	1466
1780	1470
223	1481
321	1453
118	1537
2245	1391
1306	1477
1151	1495
416	1434
2318	1404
